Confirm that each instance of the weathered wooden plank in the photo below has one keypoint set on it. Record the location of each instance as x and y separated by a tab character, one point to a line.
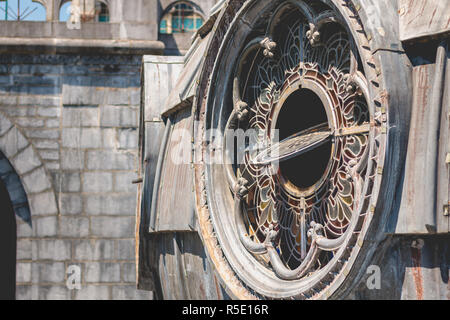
174	214
182	270
419	18
443	166
185	86
160	74
424	185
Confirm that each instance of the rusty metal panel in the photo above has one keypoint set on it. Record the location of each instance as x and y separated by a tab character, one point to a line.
175	198
419	18
426	181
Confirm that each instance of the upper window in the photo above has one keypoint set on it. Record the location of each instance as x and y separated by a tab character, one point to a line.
22	10
180	17
101	12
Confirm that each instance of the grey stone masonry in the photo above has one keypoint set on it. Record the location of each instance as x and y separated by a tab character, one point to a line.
68	126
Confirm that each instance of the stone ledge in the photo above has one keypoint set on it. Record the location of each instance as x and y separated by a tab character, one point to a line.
80	46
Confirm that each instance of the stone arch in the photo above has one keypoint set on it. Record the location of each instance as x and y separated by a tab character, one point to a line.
21	163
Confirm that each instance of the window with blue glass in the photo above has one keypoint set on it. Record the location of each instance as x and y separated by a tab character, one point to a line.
181	17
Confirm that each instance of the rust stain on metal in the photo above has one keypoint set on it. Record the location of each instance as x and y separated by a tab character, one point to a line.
416	270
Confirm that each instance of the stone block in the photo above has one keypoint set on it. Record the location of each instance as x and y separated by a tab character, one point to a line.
129	292
118	116
123	181
23	272
52	123
49	154
93	292
49	292
52	249
69	182
30	122
81	138
80	117
70	203
97	181
126	249
52	165
26	160
128	138
109	160
45	144
93	250
50	112
24	230
36	181
113	227
109	138
129	272
111	204
48	272
12	141
24	100
24	251
18	111
73	227
43	133
72	159
45	226
23	292
97	272
42	204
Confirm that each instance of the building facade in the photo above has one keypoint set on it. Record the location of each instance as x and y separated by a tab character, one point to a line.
69	109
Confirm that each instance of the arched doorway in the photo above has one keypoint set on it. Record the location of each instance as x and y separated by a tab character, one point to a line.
8	246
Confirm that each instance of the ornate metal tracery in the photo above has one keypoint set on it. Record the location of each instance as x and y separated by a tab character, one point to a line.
301	205
300	228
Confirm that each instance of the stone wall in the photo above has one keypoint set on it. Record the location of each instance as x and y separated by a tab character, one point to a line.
69	130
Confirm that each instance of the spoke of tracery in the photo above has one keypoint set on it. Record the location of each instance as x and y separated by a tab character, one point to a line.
289	230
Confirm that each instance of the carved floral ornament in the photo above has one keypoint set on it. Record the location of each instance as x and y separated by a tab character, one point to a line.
292	216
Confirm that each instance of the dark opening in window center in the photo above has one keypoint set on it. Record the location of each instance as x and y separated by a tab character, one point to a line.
302	110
